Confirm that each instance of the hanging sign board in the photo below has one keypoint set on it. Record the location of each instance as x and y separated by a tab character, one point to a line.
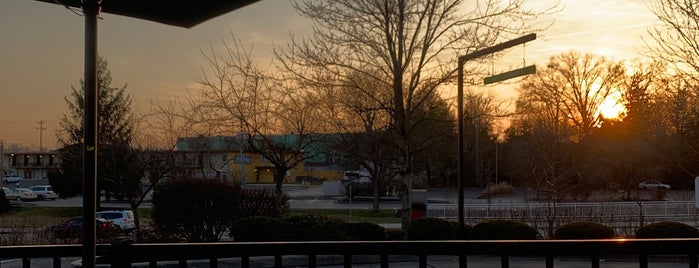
511	74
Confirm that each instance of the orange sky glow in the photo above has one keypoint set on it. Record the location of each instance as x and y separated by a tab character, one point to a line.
41	52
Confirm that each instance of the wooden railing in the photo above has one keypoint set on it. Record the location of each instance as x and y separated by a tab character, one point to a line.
313	254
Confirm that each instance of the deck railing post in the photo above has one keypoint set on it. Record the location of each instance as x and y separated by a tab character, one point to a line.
120	252
692	259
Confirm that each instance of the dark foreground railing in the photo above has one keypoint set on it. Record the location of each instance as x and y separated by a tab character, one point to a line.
309	254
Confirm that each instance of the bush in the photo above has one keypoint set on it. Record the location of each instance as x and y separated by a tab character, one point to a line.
583	230
260	202
366	231
395	234
502	230
496	189
463	235
150	233
667	230
254	229
314	227
430	229
200	210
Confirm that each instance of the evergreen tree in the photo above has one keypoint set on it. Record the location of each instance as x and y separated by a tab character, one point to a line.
115	132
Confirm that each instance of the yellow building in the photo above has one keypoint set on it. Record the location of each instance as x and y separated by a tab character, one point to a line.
254	168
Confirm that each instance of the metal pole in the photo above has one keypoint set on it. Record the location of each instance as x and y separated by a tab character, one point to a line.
460	118
90	11
460	108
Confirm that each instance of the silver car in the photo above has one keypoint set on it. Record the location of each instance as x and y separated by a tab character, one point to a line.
19	194
122	218
44	192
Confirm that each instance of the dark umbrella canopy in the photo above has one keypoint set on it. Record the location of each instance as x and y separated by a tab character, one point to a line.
181	13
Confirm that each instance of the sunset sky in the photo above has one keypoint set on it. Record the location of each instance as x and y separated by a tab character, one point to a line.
41	51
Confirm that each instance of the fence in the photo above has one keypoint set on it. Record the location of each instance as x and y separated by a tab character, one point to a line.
624	217
313	254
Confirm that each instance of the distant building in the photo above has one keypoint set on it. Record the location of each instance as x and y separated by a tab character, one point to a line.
231	153
30	165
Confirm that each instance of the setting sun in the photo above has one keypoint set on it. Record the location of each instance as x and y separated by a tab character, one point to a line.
610	108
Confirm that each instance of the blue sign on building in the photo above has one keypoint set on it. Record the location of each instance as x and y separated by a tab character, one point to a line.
242	159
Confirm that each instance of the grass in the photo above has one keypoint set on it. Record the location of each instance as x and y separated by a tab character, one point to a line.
53	215
358	215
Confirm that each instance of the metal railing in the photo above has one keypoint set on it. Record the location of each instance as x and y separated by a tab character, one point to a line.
624	217
314	254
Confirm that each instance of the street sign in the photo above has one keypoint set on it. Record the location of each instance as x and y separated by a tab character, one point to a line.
242	159
511	74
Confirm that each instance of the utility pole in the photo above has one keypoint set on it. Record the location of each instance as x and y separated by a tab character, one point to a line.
41	129
2	160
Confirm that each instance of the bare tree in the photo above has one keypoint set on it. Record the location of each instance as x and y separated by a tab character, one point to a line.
676	40
579	83
277	118
406	45
557	109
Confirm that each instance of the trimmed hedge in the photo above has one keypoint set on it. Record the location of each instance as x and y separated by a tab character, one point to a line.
395	234
667	230
583	230
463	235
502	230
430	229
314	227
259	229
366	231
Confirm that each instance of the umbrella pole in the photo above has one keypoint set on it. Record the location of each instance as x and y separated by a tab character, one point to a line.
90	11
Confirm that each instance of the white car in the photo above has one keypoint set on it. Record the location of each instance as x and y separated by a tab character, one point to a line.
652	185
44	192
19	194
122	218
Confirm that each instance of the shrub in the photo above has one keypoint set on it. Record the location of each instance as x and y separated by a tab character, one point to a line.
260	202
150	233
496	189
366	231
502	230
395	234
430	229
314	227
200	210
463	235
583	230
667	230
253	229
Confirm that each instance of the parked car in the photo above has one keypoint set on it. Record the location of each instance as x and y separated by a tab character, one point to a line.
73	228
652	185
122	218
8	194
309	179
44	192
11	179
19	194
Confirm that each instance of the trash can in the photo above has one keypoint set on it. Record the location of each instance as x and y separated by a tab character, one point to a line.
418	204
417	210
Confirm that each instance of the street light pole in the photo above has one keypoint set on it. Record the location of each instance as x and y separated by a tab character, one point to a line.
90	11
460	106
460	133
